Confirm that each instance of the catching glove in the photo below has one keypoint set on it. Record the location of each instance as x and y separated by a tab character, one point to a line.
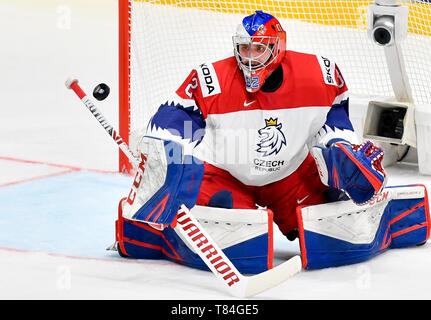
355	169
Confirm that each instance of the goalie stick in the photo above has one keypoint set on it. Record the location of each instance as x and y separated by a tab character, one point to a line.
237	284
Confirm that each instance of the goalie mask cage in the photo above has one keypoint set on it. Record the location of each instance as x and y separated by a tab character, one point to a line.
160	42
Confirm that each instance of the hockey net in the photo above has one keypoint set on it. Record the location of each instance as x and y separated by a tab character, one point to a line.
161	41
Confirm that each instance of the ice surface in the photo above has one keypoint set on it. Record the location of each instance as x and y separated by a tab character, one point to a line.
56	218
54	232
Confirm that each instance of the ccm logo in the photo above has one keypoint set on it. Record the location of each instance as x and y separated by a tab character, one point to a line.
382	196
137	181
211	254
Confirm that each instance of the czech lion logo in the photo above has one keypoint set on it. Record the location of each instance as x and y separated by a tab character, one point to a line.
271	138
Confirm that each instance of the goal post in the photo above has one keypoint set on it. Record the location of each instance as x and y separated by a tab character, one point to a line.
124	51
160	41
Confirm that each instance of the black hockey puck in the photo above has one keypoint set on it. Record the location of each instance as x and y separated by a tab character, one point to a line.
101	91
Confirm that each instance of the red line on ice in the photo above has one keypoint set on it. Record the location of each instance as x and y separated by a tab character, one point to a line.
121	260
54	165
69	169
36	178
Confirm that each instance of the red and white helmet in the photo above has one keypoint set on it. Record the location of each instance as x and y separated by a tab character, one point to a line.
264	32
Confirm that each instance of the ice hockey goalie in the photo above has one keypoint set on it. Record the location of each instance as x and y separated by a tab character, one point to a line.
265	128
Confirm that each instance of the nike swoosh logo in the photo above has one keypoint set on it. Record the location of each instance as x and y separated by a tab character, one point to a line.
246	104
302	200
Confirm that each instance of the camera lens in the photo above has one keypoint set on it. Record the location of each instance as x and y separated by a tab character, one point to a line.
391	123
382	36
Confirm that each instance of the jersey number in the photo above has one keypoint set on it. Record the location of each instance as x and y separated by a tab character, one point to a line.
191	86
252	82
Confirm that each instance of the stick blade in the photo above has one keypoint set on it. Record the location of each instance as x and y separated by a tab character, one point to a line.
273	277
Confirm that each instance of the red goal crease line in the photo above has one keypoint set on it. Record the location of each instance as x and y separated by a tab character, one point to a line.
107	259
69	169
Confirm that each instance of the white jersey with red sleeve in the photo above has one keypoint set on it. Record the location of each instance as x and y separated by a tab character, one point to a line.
263	137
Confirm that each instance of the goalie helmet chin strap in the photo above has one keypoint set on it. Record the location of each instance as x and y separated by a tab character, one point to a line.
274	81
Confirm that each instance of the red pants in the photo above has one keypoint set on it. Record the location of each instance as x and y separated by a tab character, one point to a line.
303	187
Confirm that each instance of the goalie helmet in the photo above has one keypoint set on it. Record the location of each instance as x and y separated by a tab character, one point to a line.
259	46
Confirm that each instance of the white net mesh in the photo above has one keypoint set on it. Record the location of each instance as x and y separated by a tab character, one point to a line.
170	37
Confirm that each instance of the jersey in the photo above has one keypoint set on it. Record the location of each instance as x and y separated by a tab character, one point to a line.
262	137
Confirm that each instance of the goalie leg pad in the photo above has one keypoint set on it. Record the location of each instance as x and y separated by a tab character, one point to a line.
409	224
343	233
245	236
137	239
165	179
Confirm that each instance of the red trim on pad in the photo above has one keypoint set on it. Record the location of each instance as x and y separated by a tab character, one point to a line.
301	236
151	246
387	241
159	233
119	235
160	207
427	210
119	227
270	238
